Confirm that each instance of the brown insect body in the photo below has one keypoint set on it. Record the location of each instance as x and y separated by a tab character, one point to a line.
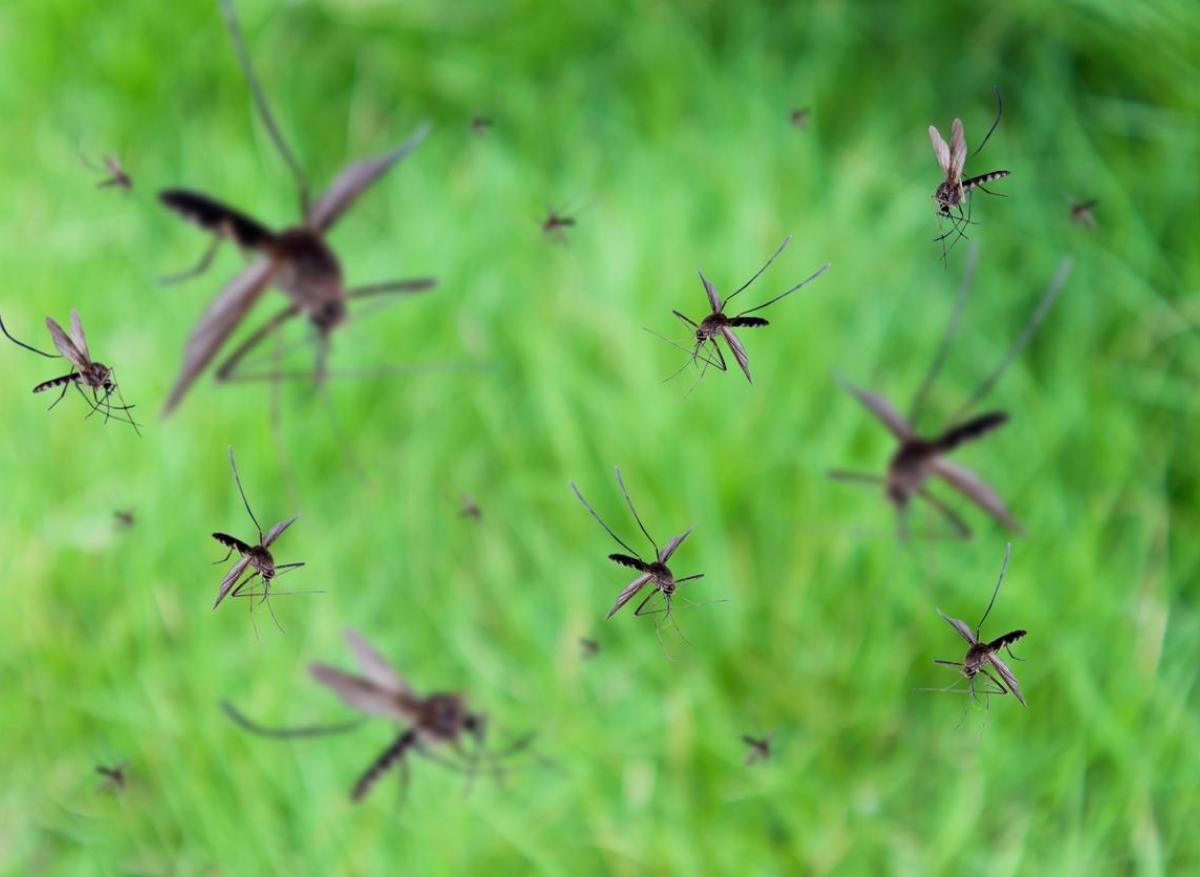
952	191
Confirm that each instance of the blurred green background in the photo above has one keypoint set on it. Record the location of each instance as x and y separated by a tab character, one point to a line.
666	124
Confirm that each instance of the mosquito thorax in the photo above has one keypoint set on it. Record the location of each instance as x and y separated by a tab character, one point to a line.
262	560
309	272
444	716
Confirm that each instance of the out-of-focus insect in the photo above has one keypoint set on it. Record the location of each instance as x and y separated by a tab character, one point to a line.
983	655
469	508
718	324
655	573
799	117
481	124
920	457
434	725
954	191
114	777
97	377
555	224
257	557
760	748
124	518
297	260
590	647
1081	211
116	176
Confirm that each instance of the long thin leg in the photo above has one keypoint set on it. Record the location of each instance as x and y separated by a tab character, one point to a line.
600	520
854	477
391	287
237	479
66	386
26	346
629	502
939	359
956	521
225	370
996	590
196	270
285	733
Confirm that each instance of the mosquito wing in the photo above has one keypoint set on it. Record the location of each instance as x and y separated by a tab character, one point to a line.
1007	675
355	180
880	407
973	488
65	345
714	300
275	532
77	334
958	149
218	323
940	149
671	546
230	579
961	626
627	595
739	352
374	665
359	693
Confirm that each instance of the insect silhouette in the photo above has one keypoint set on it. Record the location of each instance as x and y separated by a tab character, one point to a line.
85	372
469	508
954	190
655	573
434	724
800	117
114	777
982	655
760	748
555	224
298	259
124	519
116	175
1081	211
256	557
920	457
590	647
720	325
481	125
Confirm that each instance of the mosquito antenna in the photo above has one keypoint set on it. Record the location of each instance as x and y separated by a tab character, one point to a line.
26	346
237	478
260	101
803	282
629	502
600	521
1056	286
757	273
999	112
302	731
939	360
1003	569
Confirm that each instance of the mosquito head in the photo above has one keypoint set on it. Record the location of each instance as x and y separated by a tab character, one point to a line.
329	315
475	724
445	716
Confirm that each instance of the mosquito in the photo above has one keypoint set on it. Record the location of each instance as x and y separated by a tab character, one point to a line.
114	777
920	457
117	177
590	647
800	116
954	191
469	508
718	324
481	125
555	224
297	260
85	372
983	655
439	721
124	519
655	573
759	748
1081	211
257	557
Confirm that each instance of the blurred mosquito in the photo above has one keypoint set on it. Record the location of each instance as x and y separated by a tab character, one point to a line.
481	125
124	519
257	557
114	777
116	175
85	372
718	324
800	117
1081	211
297	260
468	508
919	457
984	655
655	572
954	191
590	647
555	224
759	748
434	725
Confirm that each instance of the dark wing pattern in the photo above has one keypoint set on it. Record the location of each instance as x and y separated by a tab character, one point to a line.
218	218
626	595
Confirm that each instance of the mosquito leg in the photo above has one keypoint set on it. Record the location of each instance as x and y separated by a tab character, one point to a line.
956	521
1000	689
947	663
393	287
62	394
225	372
242	584
285	733
197	269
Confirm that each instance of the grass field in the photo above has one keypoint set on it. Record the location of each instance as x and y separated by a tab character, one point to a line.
666	124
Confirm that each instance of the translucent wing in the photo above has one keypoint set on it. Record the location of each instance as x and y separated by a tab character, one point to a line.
275	531
940	149
374	665
355	180
973	488
670	547
961	626
880	407
230	579
218	323
714	300
65	345
739	352
958	149
1009	679
359	693
77	334
627	595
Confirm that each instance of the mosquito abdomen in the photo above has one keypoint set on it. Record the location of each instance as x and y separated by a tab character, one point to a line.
1007	640
983	179
218	218
971	429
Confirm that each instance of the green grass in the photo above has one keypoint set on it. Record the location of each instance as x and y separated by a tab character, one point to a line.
670	122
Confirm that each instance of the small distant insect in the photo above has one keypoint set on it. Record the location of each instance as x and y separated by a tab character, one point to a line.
257	556
85	372
919	457
800	116
439	721
718	324
481	124
297	260
114	777
555	224
1081	211
124	519
982	654
655	573
954	191
469	508
760	748
117	177
590	647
